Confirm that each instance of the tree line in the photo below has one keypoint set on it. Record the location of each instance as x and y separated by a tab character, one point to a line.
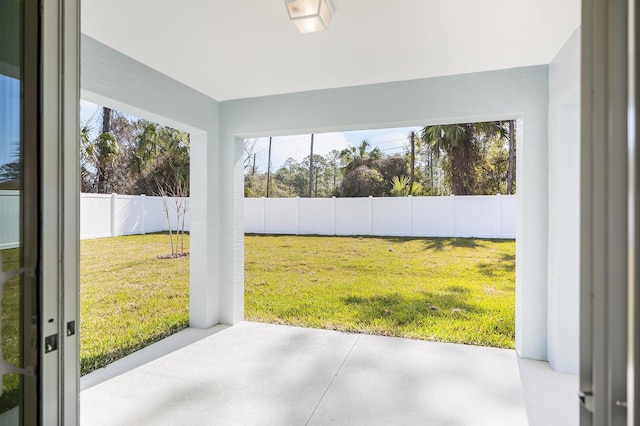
124	154
459	159
128	155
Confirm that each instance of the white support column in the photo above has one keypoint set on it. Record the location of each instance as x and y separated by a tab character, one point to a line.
231	233
564	208
203	272
564	237
531	239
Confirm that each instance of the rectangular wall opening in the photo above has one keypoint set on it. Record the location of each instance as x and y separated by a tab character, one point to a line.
134	228
406	232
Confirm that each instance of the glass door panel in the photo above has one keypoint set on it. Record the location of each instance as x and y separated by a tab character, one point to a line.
12	178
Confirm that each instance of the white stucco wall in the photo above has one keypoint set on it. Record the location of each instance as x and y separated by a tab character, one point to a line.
112	79
564	207
517	93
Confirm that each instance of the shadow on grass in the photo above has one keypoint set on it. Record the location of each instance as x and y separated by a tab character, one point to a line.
458	289
431	243
508	258
173	232
400	310
438	244
505	265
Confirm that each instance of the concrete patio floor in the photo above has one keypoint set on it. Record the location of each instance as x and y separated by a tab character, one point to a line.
262	374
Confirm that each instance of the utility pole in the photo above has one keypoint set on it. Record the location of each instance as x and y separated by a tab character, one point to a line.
512	155
431	169
269	168
253	169
106	128
311	167
412	139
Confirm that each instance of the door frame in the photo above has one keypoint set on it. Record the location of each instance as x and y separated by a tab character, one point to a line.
58	132
604	214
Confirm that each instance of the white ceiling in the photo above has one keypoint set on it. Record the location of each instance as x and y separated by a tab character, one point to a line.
231	49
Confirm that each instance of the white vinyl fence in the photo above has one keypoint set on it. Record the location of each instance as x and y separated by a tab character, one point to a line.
461	216
483	216
100	216
9	219
114	215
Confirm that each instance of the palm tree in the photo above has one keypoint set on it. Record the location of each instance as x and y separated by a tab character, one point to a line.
460	144
356	156
99	154
400	186
161	155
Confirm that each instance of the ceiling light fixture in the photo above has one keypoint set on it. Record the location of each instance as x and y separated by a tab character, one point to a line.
309	15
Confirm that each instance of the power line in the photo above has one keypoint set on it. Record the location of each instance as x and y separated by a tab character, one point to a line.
395	147
391	141
305	137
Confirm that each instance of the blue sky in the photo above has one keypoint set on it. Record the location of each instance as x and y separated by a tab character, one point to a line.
9	118
88	111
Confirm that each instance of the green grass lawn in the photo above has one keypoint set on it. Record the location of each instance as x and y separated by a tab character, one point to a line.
451	290
128	297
